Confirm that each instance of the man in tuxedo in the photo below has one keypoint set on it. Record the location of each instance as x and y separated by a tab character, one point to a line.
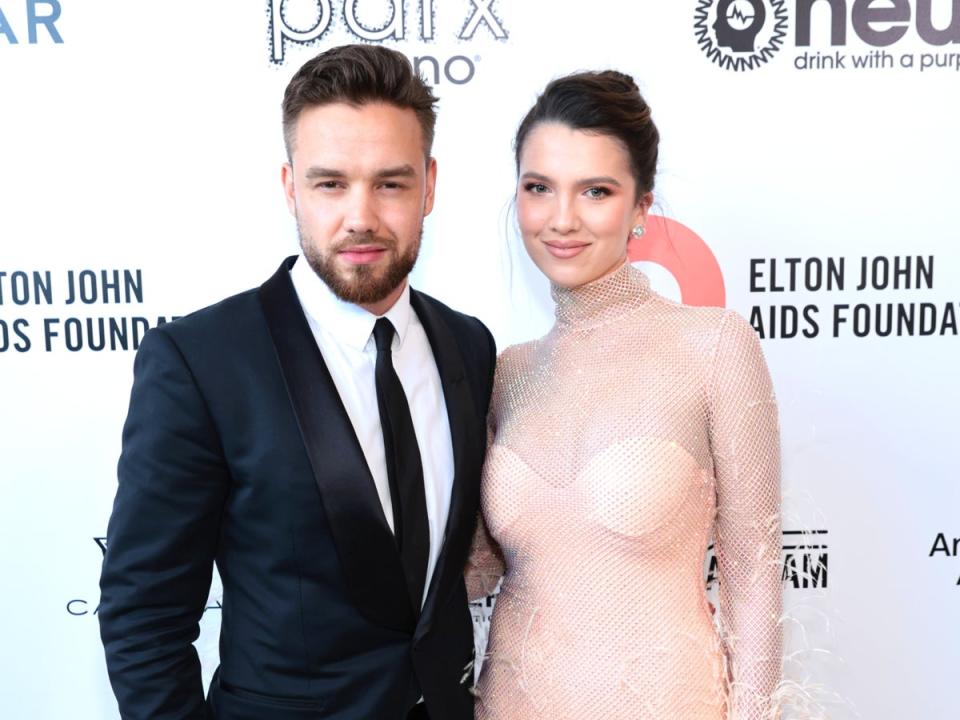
320	438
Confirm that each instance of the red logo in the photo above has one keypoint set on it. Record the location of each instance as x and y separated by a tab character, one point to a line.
686	256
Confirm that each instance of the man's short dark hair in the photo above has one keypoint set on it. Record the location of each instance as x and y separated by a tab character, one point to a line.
356	75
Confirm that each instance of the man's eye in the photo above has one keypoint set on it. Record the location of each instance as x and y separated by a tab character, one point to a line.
328	185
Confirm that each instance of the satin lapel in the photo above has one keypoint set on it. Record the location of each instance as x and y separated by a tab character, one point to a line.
465	433
364	542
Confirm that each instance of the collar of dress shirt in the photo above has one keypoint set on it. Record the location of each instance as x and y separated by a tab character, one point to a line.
345	321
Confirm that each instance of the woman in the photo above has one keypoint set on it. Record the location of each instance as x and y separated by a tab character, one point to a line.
624	440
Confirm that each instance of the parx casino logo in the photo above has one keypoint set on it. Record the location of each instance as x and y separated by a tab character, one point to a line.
89	607
81	607
740	34
418	21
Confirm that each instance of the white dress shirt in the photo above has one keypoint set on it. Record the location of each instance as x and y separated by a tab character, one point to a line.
344	334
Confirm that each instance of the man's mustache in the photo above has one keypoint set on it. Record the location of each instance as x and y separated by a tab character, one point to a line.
366	238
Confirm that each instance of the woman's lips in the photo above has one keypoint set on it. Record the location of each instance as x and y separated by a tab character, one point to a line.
565	250
363	254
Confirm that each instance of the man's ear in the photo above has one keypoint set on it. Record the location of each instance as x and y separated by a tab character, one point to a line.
289	191
431	186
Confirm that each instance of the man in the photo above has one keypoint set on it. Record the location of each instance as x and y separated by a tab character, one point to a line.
319	438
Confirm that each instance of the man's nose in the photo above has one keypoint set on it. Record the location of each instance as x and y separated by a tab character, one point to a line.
361	213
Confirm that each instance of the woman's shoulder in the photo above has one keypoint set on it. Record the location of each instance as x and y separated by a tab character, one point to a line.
704	331
514	359
513	366
693	319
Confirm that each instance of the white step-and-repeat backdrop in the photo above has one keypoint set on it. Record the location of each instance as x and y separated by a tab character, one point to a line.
808	180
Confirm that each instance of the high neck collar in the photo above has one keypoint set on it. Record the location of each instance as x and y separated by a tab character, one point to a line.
602	300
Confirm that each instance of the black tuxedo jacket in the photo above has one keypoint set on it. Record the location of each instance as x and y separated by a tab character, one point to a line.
237	449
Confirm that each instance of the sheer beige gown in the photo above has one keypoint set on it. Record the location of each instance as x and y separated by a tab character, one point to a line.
624	441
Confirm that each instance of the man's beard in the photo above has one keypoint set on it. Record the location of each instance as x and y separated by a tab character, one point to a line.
360	284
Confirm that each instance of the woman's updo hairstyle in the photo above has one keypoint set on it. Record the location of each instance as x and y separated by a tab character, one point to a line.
606	103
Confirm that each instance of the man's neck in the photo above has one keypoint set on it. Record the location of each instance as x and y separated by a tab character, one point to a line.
382	306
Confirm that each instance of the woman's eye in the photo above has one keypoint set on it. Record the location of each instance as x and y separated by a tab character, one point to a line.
536	188
597	192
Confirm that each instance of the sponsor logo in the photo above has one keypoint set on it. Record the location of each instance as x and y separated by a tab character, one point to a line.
82	607
805	566
38	22
805	560
850	34
740	34
944	546
307	22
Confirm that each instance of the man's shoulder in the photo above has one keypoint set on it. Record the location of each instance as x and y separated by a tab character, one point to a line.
217	342
223	317
477	347
234	315
458	322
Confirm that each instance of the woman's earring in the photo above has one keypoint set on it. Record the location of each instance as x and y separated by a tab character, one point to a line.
638	231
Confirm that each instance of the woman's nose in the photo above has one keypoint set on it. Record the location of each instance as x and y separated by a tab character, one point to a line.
565	218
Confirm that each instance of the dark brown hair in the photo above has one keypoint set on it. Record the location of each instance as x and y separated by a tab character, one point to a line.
359	74
608	103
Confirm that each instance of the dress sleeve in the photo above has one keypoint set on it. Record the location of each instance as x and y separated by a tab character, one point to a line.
745	441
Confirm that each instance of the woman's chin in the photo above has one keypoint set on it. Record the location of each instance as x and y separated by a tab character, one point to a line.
565	276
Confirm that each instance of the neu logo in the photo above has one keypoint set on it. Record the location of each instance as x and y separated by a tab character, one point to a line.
740	34
744	34
894	17
39	12
318	16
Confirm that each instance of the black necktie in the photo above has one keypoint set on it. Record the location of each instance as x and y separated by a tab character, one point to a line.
404	468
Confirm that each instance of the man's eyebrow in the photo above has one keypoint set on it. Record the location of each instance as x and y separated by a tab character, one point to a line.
315	172
398	171
318	172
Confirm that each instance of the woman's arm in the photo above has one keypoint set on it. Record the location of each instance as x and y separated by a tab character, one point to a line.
745	441
485	565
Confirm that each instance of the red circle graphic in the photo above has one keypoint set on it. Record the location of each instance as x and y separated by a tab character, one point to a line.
686	256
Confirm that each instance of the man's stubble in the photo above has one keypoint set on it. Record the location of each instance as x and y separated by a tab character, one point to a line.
360	284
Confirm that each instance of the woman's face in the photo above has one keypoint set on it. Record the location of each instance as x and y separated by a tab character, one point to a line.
576	203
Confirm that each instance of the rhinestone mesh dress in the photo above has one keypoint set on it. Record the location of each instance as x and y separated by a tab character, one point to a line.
625	441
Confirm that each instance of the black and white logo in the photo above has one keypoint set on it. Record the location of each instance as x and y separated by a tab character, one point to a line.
740	34
806	561
419	22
